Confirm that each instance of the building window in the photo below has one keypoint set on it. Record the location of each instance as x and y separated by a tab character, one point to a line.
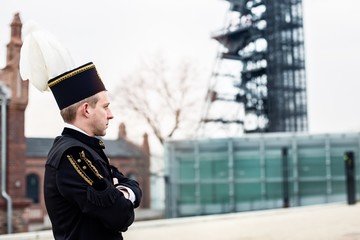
131	176
32	187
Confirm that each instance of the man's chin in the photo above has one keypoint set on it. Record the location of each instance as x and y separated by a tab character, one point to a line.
101	134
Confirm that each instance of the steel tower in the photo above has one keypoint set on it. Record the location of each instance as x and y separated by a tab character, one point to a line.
258	82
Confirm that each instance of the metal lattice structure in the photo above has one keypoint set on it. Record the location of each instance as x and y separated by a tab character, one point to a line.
258	82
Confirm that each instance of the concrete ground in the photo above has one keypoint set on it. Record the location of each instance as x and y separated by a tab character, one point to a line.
322	222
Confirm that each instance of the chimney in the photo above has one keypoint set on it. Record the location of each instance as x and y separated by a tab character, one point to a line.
122	131
145	145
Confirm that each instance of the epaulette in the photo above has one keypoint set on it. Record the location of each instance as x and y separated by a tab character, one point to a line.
84	167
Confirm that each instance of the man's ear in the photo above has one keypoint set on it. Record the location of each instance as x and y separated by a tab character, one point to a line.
85	109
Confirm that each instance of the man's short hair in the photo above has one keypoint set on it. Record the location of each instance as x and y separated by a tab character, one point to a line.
69	113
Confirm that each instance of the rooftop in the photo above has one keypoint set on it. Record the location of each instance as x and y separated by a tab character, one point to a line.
337	221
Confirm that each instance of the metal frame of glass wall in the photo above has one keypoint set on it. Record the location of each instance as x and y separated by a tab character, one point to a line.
260	171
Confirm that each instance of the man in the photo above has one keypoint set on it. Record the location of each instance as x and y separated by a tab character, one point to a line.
86	197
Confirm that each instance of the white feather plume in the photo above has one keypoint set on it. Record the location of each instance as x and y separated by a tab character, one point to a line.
42	57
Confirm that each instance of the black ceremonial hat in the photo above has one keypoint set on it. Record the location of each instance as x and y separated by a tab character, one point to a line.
76	85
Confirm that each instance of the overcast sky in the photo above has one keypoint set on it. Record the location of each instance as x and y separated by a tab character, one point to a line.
116	34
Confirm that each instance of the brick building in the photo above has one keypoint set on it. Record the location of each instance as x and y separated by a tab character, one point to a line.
24	182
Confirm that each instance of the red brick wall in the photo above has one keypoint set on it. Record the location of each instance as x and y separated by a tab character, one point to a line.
19	223
141	171
16	151
16	145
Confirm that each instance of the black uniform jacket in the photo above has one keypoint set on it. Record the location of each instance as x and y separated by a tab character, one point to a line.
80	197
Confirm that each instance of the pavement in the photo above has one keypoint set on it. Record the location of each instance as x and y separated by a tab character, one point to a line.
321	222
337	221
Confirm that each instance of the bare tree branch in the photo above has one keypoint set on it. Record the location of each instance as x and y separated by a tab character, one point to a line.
166	99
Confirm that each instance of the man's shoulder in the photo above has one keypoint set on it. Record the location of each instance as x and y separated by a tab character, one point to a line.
63	145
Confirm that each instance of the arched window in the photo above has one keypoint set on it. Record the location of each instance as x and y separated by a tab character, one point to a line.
32	187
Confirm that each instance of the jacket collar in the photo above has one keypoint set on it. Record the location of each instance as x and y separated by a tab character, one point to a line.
91	141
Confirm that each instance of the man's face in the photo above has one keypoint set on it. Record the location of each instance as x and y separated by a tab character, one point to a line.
101	114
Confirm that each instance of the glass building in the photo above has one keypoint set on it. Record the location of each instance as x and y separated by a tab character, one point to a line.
258	171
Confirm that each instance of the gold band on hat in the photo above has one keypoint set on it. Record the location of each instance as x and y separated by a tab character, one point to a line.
70	74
